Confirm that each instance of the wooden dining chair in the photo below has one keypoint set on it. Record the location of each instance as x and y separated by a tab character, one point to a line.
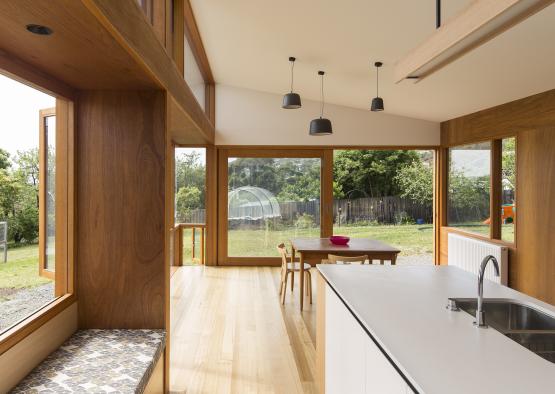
334	259
288	266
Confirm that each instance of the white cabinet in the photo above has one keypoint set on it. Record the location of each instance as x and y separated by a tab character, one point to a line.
353	363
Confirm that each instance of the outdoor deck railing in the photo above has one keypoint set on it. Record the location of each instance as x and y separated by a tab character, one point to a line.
178	241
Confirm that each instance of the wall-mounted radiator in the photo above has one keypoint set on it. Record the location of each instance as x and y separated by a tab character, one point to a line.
467	253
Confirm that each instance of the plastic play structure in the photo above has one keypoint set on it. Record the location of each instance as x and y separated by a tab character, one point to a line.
507	214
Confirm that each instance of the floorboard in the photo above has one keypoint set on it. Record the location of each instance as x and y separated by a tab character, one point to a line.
230	334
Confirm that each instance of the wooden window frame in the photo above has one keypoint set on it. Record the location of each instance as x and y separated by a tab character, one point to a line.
217	185
326	196
44	114
495	232
65	219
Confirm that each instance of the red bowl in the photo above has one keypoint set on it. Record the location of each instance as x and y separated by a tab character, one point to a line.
339	240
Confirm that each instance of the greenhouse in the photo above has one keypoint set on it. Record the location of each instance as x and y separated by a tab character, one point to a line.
249	203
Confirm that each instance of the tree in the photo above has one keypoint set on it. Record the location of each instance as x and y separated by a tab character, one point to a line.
19	196
4	159
9	193
508	160
416	182
187	199
190	172
27	163
289	179
369	172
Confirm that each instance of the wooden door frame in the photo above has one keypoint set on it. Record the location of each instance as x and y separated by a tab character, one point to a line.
326	195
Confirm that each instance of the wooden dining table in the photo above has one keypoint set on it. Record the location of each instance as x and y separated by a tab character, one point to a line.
319	248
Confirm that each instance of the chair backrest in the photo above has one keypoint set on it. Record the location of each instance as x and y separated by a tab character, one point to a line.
283	253
333	259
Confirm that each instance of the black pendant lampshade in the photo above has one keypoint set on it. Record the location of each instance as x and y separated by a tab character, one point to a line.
321	125
377	102
291	100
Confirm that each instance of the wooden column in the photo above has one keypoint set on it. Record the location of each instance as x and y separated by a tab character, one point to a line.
535	272
121	171
211	204
495	190
326	198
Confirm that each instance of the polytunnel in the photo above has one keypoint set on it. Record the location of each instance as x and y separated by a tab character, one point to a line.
252	203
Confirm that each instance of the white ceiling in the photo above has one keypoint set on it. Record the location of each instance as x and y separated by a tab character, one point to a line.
248	43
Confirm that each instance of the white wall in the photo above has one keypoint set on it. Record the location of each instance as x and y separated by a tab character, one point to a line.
249	117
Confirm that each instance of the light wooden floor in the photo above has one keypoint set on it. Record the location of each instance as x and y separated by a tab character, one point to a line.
230	334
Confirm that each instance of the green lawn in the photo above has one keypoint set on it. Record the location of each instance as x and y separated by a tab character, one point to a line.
411	239
22	269
507	230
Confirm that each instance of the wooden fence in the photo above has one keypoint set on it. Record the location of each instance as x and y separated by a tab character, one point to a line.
386	210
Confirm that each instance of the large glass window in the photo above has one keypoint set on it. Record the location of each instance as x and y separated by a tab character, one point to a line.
386	195
468	194
27	191
271	200
508	189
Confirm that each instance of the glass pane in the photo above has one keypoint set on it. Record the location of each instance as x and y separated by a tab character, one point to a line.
388	196
193	76
50	197
270	201
469	188
508	188
22	289
190	191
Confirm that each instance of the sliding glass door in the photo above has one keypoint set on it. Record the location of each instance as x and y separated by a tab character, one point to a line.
269	198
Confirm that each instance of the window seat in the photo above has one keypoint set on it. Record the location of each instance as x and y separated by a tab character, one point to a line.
98	361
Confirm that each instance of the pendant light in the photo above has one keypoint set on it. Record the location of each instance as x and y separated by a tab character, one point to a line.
291	100
321	125
377	102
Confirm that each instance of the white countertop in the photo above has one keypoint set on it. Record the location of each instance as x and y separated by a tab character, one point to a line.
439	351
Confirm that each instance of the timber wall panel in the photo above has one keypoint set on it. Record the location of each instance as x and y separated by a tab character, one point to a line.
535	273
532	121
121	191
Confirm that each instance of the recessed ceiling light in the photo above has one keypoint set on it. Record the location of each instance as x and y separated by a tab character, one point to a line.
39	29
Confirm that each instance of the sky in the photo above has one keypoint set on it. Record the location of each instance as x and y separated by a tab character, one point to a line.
187	151
471	162
19	115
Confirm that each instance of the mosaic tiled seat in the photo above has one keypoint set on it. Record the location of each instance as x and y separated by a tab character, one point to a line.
98	361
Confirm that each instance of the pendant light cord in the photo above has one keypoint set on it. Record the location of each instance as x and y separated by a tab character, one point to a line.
292	66
322	92
377	81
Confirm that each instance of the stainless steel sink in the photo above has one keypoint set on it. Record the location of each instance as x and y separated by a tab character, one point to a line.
527	326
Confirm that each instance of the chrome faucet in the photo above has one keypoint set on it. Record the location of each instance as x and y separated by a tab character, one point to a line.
480	314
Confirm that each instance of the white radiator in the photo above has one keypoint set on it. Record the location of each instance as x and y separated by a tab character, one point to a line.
467	254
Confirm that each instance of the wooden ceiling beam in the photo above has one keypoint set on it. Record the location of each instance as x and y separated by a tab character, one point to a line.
126	22
478	23
27	74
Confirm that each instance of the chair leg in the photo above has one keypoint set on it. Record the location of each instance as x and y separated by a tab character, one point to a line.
309	287
292	279
284	289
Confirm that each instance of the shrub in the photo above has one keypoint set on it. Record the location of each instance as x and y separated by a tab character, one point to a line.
305	221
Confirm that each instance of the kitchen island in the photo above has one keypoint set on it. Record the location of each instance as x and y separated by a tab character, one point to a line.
386	329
